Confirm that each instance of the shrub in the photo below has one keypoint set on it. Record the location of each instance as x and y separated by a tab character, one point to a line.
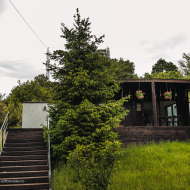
93	164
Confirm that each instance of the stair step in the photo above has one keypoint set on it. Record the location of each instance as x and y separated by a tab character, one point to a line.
23	157
26	129
26	137
24	140
25	186
25	144
24	148
23	163
12	133
20	132
19	153
23	174
24	180
23	168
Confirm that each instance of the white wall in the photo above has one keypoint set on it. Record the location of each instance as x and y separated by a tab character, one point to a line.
33	115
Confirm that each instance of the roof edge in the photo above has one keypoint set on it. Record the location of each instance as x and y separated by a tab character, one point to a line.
154	80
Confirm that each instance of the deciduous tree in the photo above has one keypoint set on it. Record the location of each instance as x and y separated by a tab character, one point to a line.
163	75
1	96
185	64
123	69
35	90
163	66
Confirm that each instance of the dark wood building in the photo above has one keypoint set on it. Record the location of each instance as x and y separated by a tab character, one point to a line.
154	109
154	116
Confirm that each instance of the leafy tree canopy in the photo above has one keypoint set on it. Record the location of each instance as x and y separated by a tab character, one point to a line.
2	112
163	66
185	64
163	75
37	90
1	96
82	111
42	80
30	91
123	69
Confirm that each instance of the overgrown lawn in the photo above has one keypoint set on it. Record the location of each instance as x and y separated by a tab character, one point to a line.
162	166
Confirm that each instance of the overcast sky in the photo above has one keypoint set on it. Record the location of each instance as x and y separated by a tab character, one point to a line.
142	31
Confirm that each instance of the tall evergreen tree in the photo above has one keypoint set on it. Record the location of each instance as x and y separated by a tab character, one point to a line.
82	110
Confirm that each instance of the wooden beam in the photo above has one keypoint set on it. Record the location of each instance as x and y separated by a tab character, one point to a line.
123	105
154	104
155	80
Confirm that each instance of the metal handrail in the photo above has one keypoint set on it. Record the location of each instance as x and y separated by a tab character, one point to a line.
49	155
3	131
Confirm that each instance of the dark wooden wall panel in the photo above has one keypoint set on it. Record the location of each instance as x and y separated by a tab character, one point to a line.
144	134
129	119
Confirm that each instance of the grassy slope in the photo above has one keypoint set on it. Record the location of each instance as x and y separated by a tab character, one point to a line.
163	166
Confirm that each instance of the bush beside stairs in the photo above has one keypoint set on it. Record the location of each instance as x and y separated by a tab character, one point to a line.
24	160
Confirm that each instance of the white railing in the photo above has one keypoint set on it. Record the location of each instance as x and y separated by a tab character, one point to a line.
4	132
49	156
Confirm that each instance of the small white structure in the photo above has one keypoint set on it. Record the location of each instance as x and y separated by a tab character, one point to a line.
34	114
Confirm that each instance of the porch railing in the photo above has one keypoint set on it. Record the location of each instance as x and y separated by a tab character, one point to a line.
4	132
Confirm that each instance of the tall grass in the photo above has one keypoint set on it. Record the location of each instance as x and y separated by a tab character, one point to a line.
162	166
63	178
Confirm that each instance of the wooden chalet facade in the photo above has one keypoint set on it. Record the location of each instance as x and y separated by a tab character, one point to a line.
155	117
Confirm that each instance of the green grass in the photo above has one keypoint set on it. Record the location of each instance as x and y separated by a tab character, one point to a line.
63	178
163	166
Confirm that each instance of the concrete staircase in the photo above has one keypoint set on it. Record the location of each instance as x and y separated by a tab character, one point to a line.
24	161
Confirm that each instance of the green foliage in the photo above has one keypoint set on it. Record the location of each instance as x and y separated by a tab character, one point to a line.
37	90
1	96
157	166
2	112
85	123
82	110
146	76
169	94
163	66
28	91
139	93
185	64
42	80
123	69
63	178
154	166
93	164
15	113
163	75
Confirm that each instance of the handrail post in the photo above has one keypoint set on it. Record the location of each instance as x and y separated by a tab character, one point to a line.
8	122
3	131
1	139
49	155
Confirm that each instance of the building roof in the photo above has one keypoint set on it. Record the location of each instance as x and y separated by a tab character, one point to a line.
155	80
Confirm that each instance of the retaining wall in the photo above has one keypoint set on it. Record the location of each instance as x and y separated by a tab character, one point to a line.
144	134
